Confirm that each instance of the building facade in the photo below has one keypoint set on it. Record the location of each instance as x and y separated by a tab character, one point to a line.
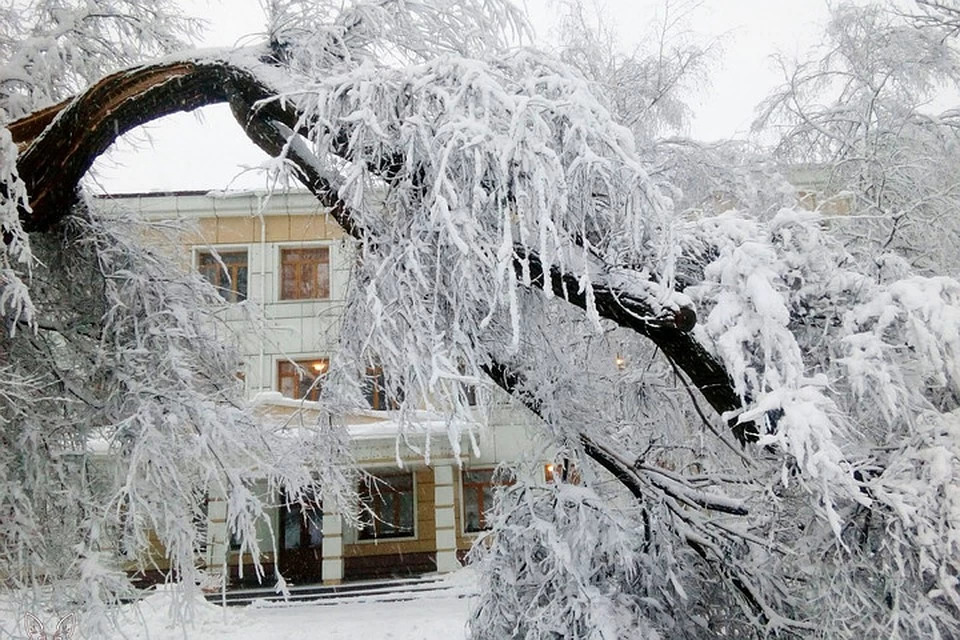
284	254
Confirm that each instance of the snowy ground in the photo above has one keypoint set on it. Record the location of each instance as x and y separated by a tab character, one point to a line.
421	619
430	616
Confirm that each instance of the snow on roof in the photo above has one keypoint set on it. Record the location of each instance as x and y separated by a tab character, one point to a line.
281	412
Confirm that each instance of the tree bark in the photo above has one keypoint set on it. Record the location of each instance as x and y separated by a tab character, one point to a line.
670	333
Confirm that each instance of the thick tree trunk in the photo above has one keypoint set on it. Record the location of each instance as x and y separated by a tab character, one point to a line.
668	331
60	144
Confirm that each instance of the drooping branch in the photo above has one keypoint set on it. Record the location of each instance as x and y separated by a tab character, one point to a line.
668	329
629	476
274	138
626	473
277	139
75	132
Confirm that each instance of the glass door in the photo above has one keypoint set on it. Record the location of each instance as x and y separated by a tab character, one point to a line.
301	539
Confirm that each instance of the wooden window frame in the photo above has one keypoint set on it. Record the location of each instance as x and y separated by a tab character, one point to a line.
374	525
310	519
375	391
563	471
292	290
227	284
296	371
476	489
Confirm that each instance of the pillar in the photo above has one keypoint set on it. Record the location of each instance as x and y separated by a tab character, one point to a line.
217	537
332	549
445	519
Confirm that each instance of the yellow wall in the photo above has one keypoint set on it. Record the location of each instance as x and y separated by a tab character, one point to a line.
279	228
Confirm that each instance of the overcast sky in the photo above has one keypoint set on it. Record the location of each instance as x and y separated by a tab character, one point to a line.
206	150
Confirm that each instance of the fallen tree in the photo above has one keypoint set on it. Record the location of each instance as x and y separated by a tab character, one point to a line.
507	229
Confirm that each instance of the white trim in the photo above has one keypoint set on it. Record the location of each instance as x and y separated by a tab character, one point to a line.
220	248
218	204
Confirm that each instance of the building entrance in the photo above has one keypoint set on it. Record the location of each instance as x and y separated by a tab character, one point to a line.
301	540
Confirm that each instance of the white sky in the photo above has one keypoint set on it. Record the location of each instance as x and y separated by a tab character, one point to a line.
207	150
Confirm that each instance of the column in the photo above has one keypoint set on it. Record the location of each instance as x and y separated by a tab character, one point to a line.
332	549
217	536
445	518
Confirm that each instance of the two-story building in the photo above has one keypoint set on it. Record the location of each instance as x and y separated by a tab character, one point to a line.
284	254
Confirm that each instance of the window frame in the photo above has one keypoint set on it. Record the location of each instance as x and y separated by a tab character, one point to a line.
564	471
383	485
308	364
310	520
282	249
477	487
378	399
229	293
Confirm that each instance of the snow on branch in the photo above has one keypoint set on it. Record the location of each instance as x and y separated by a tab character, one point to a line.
15	257
51	49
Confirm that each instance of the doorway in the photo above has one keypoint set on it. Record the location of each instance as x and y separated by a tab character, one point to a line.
301	539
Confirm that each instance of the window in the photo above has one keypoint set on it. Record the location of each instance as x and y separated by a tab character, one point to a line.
305	273
299	380
375	391
478	488
301	524
565	471
388	506
228	274
201	520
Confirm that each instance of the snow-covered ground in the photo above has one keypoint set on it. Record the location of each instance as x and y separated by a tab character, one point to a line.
429	616
425	618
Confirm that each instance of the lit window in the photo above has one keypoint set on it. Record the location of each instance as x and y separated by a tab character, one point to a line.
300	380
228	274
565	471
305	273
478	488
388	506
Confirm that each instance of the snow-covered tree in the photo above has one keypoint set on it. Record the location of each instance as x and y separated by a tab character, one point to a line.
120	409
790	469
645	87
859	110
